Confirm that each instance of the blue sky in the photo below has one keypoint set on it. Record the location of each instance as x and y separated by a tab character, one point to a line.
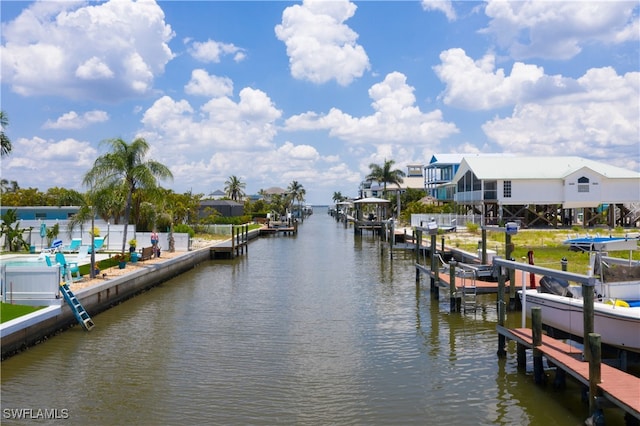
314	91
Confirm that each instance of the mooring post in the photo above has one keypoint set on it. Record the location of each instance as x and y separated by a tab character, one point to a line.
246	237
484	246
512	272
233	241
418	244
433	263
436	275
563	264
536	324
452	286
393	238
594	370
587	318
502	340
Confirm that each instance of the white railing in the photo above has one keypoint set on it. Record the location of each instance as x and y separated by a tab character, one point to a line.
445	219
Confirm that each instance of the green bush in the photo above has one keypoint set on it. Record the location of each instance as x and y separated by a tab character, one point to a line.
184	229
236	220
472	227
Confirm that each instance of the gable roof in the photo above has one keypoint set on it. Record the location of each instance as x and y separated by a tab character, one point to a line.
275	190
213	203
537	168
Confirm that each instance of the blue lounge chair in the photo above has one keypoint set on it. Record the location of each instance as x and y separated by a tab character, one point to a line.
68	268
97	244
73	246
56	245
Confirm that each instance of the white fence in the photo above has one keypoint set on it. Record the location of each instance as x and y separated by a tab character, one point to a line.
112	235
217	229
30	285
445	219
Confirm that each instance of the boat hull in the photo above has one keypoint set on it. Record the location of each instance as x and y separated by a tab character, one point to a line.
618	326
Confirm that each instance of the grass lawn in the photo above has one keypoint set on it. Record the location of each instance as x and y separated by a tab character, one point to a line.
547	245
9	311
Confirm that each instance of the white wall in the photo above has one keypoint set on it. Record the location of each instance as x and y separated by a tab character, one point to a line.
112	233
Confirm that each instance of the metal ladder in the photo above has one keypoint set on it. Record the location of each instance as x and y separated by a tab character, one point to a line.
78	310
469	292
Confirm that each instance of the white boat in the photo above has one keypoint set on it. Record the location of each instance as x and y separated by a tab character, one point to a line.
616	305
616	321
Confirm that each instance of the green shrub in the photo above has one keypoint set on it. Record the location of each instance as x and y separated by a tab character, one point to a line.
235	220
184	229
472	227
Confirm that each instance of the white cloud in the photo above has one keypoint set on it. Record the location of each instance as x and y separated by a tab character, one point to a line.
320	46
559	29
599	122
595	115
66	48
70	155
478	85
203	84
299	152
221	124
443	6
212	51
71	120
94	69
396	119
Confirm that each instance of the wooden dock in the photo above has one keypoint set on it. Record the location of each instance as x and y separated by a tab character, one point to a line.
274	228
235	246
619	388
482	286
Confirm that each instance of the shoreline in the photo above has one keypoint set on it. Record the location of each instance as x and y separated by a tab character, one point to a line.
97	295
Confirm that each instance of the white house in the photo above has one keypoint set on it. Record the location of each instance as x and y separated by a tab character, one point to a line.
545	190
414	179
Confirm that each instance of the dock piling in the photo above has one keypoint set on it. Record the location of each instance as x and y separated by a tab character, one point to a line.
453	306
536	326
502	340
595	373
434	269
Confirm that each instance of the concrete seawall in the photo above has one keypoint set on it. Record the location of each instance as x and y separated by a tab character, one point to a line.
28	330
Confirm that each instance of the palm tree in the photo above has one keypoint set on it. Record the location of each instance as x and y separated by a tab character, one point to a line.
337	197
384	174
4	139
234	188
297	192
126	164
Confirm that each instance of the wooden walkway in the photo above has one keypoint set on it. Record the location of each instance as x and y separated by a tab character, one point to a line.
275	230
622	389
482	287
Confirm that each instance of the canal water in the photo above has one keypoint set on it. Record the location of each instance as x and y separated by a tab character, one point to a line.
314	329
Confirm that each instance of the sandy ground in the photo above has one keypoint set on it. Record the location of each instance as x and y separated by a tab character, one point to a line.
114	271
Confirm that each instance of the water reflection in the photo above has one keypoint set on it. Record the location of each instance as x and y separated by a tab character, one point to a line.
322	328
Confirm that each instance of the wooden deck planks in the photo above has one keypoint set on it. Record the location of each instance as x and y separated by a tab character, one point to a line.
623	389
481	286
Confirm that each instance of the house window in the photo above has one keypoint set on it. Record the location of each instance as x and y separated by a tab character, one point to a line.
490	190
506	189
583	184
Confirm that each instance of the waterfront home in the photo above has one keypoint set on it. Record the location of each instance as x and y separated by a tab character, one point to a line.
547	191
